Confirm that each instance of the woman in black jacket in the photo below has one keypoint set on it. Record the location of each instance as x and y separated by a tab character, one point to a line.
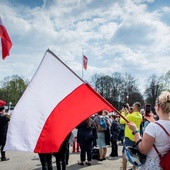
85	139
114	136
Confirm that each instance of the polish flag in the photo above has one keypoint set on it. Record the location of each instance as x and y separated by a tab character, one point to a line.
85	60
54	103
5	41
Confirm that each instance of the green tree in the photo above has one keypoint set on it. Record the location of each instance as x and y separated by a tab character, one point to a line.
12	88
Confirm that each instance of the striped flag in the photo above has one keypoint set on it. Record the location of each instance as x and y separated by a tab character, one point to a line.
85	60
5	41
54	103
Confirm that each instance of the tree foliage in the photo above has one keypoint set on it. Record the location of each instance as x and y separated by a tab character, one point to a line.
154	87
117	88
12	88
167	81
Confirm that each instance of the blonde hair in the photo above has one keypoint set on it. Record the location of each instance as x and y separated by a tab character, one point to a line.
164	101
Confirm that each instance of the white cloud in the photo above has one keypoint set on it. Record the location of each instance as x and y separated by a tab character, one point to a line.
117	36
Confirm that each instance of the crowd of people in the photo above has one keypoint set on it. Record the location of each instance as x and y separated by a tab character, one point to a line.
129	127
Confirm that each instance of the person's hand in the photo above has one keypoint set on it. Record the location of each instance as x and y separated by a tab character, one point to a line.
150	118
8	115
132	126
123	109
126	110
127	104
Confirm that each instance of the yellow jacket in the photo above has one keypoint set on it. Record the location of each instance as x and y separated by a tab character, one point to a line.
134	117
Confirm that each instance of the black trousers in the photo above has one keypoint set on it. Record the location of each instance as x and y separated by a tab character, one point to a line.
60	161
46	161
2	144
67	153
114	151
86	147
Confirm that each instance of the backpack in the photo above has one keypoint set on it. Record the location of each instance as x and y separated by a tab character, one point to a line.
164	160
102	125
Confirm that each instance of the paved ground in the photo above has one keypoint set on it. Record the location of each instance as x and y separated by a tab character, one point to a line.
30	161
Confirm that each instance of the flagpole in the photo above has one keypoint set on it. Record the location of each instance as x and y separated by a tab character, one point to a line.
82	63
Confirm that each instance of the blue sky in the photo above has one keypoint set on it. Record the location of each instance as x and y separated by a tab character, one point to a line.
126	36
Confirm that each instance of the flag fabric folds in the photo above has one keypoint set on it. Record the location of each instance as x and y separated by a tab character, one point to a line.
5	41
85	60
54	103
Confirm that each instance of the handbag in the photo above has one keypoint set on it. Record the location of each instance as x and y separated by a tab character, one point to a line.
95	153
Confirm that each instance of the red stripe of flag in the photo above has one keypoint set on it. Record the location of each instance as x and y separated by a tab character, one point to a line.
5	41
77	106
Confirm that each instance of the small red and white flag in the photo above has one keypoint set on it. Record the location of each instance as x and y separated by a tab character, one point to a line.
54	103
5	41
85	60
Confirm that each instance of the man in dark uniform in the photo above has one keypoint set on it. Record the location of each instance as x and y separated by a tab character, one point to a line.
4	119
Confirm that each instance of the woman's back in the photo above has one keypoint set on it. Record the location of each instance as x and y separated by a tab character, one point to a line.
162	140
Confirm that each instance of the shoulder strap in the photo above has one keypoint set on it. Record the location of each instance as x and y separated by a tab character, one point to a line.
163	128
160	156
154	144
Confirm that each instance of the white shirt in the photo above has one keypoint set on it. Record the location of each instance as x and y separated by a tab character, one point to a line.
162	142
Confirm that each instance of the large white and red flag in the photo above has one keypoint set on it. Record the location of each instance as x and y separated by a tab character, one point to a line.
85	60
5	40
54	103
